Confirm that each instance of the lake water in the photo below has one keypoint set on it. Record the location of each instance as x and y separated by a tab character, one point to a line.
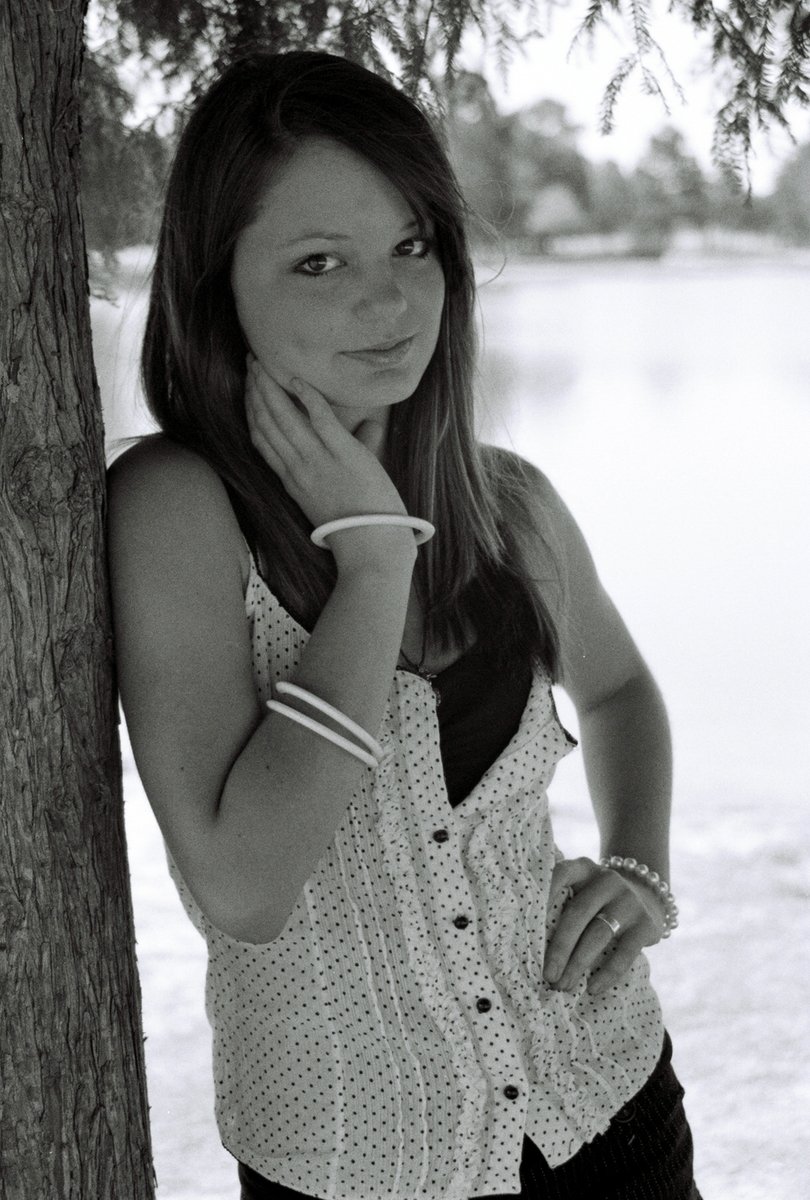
668	402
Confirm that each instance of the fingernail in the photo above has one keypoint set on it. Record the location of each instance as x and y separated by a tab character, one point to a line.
552	970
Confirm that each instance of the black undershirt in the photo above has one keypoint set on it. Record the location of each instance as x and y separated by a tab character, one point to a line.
479	713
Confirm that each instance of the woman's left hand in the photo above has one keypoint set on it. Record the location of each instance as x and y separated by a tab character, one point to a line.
581	937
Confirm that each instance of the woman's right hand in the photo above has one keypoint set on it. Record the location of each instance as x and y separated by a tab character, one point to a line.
328	472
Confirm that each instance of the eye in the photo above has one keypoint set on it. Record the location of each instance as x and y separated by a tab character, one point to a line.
416	247
316	262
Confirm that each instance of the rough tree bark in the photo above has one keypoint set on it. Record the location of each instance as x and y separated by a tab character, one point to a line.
73	1116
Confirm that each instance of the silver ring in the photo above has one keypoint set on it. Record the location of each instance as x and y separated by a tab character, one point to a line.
613	925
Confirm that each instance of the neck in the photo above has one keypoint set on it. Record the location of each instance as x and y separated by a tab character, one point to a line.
352	418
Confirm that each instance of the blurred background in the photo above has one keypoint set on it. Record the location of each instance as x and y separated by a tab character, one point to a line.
644	334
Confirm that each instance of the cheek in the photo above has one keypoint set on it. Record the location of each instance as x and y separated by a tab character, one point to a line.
430	305
431	299
303	348
281	329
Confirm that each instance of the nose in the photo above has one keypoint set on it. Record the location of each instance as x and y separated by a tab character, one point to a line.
381	300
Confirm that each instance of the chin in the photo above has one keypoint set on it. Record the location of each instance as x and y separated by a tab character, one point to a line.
370	401
380	394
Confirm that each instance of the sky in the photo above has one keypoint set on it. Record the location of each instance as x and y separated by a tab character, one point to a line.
544	68
548	68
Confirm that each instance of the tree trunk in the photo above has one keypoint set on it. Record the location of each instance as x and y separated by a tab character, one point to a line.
73	1117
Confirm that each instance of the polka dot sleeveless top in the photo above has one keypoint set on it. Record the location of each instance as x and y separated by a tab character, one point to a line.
397	1039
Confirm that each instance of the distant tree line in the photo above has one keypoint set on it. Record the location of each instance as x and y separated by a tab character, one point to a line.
523	174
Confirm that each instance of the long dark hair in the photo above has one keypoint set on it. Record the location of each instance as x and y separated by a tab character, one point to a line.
193	361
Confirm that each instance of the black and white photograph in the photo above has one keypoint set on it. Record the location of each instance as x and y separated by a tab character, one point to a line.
404	579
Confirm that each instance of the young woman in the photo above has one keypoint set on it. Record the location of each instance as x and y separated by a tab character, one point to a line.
345	724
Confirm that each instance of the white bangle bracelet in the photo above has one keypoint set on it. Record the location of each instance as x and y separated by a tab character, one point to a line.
653	880
423	530
316	727
292	689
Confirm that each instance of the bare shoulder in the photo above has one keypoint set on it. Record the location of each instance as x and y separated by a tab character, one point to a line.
518	473
183	650
156	469
598	653
156	453
162	495
533	504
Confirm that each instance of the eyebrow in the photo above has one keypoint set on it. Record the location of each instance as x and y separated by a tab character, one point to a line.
337	237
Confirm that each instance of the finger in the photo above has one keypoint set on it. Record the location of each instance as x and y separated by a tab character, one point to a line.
372	435
274	460
266	435
283	421
258	413
568	875
290	420
577	915
623	908
321	415
596	938
616	966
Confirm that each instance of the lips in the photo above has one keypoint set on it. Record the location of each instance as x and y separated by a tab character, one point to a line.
389	345
385	355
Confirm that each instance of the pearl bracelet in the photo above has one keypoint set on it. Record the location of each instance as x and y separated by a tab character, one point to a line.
653	880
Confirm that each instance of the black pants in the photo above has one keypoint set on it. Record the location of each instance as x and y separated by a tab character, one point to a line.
645	1154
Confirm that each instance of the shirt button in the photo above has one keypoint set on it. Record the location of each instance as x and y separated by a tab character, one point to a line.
441	835
461	922
511	1092
483	1005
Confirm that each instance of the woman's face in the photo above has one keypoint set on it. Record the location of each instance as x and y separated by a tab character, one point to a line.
331	268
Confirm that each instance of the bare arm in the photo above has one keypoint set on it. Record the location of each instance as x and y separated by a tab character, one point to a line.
247	801
624	729
287	792
628	762
626	748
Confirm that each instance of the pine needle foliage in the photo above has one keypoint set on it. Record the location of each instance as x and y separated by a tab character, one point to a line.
412	42
759	50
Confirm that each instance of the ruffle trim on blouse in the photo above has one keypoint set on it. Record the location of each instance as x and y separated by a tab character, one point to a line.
437	996
558	1045
568	1071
